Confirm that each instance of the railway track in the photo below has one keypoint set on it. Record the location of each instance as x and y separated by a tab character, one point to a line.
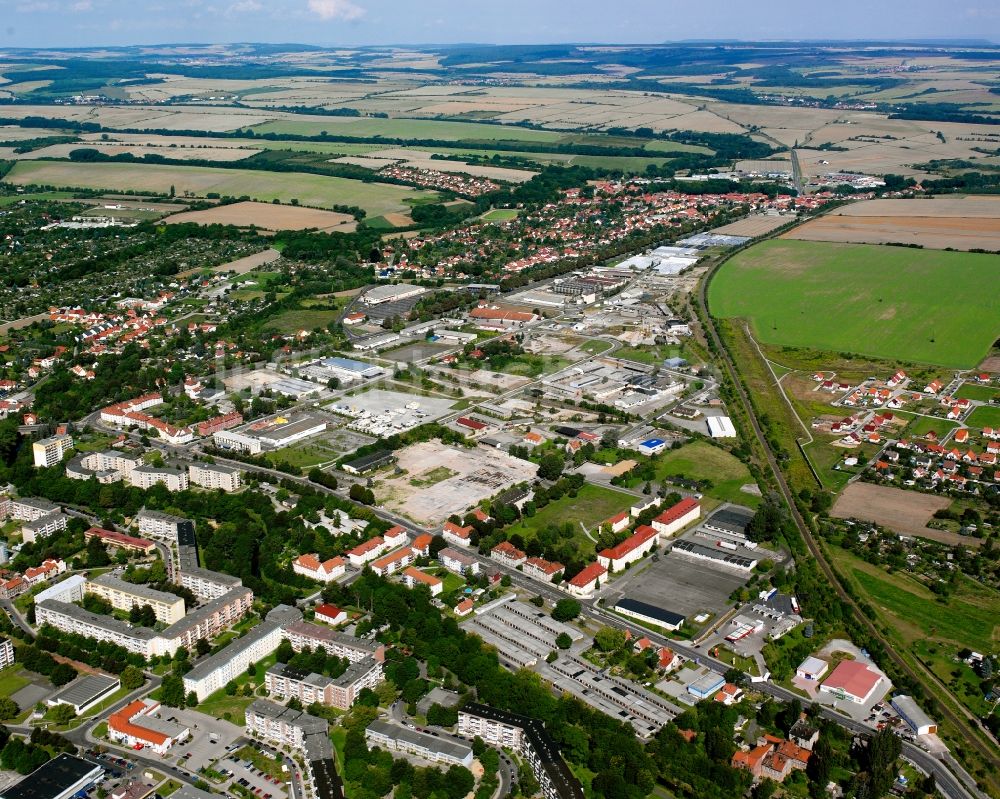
963	722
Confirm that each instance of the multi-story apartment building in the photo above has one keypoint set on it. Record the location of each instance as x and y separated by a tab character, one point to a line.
326	571
214	476
213	673
43	526
529	739
163	525
50	451
508	555
541	569
303	634
397	738
206	584
169	608
458	562
210	619
148	476
393	562
282	726
74	619
285	682
109	466
27	509
6	653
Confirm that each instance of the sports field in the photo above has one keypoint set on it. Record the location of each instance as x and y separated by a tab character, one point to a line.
887	302
320	191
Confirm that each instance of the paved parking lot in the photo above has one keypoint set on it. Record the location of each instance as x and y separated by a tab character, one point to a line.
681	585
208	741
250	778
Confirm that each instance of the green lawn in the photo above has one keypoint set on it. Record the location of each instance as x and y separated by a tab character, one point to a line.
295	320
973	391
596	346
321	191
13	199
592	505
922	306
984	416
12	680
699	460
922	425
222	706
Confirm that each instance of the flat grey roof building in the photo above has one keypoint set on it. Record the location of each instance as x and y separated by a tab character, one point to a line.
85	691
413	740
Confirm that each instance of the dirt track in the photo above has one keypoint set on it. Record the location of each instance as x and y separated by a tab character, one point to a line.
906	512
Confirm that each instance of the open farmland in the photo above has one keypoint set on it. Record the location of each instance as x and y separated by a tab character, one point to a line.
905	512
267	216
316	190
887	302
406	129
961	223
753	226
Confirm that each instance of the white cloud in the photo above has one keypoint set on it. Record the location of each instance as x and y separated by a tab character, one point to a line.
336	9
82	5
244	7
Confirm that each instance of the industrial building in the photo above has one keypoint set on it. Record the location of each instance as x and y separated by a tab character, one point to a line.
911	713
649	614
85	692
60	778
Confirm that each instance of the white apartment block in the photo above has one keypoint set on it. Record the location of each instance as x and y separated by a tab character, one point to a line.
43	526
72	619
206	584
111	461
49	451
282	726
229	439
162	525
215	477
148	476
6	653
27	509
212	673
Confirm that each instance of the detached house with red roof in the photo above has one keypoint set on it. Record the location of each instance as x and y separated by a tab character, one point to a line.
325	572
459	536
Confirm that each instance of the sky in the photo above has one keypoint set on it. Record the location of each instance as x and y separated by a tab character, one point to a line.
85	23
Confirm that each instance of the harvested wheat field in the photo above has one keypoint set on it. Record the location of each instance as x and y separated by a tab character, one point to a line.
753	225
962	223
906	512
267	216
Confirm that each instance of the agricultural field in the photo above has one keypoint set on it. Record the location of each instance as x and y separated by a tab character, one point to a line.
906	512
960	223
405	129
968	619
887	302
753	226
320	191
268	216
984	416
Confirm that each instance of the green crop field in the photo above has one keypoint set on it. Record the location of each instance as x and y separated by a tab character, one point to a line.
923	306
407	129
320	191
500	215
985	416
973	392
